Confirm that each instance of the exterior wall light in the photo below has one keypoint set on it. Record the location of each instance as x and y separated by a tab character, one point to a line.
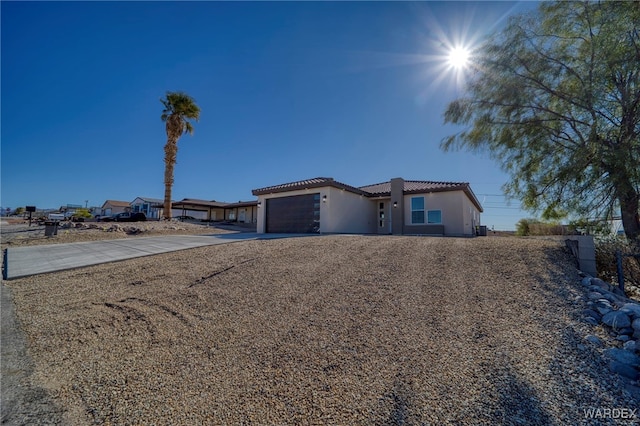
395	204
259	204
324	198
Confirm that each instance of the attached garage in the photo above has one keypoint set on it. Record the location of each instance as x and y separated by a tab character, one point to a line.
298	214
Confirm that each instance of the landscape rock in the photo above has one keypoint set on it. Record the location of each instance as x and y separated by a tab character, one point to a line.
586	281
622	338
630	346
636	324
612	298
593	339
591	320
622	356
593	314
600	283
616	319
626	330
594	295
631	308
624	370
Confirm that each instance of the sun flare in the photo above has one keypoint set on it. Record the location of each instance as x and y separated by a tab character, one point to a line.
459	57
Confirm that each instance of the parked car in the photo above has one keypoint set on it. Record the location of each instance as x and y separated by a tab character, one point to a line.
185	218
106	218
130	217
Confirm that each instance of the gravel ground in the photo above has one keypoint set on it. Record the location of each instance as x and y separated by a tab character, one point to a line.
321	330
21	234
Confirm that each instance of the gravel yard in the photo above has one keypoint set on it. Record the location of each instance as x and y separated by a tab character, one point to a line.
321	330
21	234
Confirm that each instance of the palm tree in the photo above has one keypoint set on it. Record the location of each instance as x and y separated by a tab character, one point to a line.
179	108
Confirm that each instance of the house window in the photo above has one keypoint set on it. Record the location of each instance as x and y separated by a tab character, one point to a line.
417	210
434	216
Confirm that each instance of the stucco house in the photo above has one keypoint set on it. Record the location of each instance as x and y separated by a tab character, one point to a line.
151	207
111	207
395	207
215	211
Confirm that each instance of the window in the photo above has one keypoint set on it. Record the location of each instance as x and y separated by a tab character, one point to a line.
417	210
434	216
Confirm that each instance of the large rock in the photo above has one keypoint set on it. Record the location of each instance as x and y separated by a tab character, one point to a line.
636	324
630	346
591	313
616	319
600	283
632	309
594	295
623	357
624	370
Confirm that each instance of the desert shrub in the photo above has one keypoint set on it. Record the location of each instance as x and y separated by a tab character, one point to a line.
606	263
83	213
523	227
546	228
535	227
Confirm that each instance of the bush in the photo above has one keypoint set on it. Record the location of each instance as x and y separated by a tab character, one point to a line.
82	213
606	263
523	225
526	227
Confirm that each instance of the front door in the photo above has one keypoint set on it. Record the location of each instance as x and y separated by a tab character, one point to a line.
384	221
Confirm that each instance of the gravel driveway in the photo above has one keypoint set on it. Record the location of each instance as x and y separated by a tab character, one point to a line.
329	330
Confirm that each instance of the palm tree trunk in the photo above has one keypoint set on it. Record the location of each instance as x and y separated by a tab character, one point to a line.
170	155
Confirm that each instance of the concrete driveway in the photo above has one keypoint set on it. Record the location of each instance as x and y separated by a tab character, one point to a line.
24	261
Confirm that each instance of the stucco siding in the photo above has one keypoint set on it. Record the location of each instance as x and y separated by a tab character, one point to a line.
346	212
450	204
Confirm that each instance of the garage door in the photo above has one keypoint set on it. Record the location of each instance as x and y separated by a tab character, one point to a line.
298	214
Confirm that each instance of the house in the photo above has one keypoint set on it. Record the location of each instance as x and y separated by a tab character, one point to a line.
111	207
395	207
151	207
242	211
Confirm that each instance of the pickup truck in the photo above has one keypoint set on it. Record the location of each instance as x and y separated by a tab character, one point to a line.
125	217
59	216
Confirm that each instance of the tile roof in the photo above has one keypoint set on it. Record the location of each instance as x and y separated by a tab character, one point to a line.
376	190
242	204
150	200
307	184
414	186
116	203
195	202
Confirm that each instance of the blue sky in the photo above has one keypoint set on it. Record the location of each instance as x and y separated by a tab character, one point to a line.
288	91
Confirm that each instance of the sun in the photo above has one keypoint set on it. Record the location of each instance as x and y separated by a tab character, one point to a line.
459	57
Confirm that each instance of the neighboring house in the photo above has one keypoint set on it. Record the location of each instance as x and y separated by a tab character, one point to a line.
200	209
111	207
151	207
242	211
394	207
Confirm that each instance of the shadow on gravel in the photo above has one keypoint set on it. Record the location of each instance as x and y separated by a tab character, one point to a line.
517	402
21	402
574	349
